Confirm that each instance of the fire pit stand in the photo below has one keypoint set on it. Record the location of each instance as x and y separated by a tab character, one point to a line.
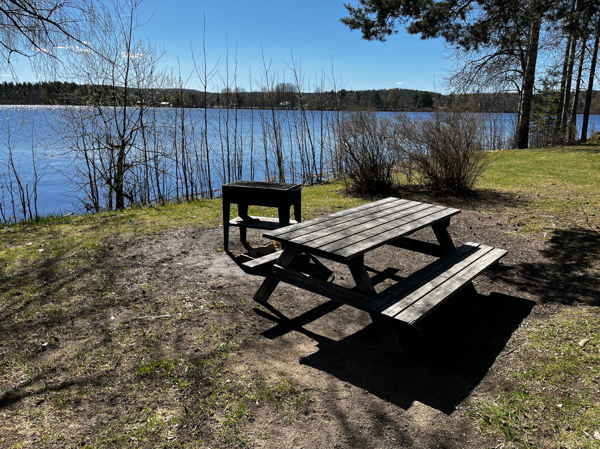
269	194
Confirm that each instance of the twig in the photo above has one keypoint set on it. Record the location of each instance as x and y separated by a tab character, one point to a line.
151	317
509	352
587	221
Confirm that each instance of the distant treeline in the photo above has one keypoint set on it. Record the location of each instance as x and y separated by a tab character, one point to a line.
283	96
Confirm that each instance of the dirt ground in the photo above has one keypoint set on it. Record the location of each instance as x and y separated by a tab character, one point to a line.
359	396
159	344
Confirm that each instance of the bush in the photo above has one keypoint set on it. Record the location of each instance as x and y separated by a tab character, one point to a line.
445	148
370	150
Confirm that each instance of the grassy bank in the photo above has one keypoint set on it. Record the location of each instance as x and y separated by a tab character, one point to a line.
554	399
563	184
67	352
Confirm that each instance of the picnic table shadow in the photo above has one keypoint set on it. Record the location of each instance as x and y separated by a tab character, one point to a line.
447	355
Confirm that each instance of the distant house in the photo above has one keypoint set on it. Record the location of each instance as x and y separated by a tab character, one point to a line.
165	104
285	104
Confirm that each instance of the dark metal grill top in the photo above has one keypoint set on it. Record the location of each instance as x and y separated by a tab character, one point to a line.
264	185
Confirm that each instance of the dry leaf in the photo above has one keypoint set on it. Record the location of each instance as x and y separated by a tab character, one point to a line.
583	342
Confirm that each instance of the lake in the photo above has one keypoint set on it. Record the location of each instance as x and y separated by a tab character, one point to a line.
182	153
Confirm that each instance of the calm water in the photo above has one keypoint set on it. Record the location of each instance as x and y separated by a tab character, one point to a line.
31	128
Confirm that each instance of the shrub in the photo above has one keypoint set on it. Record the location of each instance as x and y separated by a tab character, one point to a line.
370	150
445	148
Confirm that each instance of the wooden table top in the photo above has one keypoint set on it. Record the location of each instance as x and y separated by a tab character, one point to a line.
347	234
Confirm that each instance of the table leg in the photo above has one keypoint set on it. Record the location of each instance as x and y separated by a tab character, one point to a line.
385	328
226	211
361	277
441	232
269	284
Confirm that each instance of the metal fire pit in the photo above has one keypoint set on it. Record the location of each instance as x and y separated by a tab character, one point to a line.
256	193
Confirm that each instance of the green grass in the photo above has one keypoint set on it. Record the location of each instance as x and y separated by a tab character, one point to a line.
562	183
555	399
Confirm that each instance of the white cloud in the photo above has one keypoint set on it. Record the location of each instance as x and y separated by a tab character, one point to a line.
132	55
7	75
398	83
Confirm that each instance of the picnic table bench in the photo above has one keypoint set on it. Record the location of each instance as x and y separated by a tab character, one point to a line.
346	236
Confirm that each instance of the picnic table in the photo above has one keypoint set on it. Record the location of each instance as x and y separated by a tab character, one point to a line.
346	237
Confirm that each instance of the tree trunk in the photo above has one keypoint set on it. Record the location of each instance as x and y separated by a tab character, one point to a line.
119	178
590	88
569	80
567	97
559	136
528	83
573	120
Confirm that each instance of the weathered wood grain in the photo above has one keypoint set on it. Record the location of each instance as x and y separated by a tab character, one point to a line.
269	284
289	232
327	289
373	238
264	260
368	217
390	296
328	238
422	308
433	281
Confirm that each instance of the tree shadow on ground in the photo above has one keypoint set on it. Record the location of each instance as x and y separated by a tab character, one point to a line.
475	199
447	355
564	276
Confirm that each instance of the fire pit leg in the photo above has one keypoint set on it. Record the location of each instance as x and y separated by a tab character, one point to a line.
226	210
243	213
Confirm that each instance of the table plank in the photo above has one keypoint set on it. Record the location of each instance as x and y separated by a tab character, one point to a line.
333	232
289	232
346	236
352	236
371	239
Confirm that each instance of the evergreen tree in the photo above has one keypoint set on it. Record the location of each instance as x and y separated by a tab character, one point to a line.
546	111
377	102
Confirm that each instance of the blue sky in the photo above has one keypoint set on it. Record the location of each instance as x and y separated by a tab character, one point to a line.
311	30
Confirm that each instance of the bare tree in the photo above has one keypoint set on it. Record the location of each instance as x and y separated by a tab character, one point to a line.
39	30
121	74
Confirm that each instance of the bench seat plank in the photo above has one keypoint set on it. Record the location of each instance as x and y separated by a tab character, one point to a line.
263	260
392	294
433	281
414	298
422	308
258	223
